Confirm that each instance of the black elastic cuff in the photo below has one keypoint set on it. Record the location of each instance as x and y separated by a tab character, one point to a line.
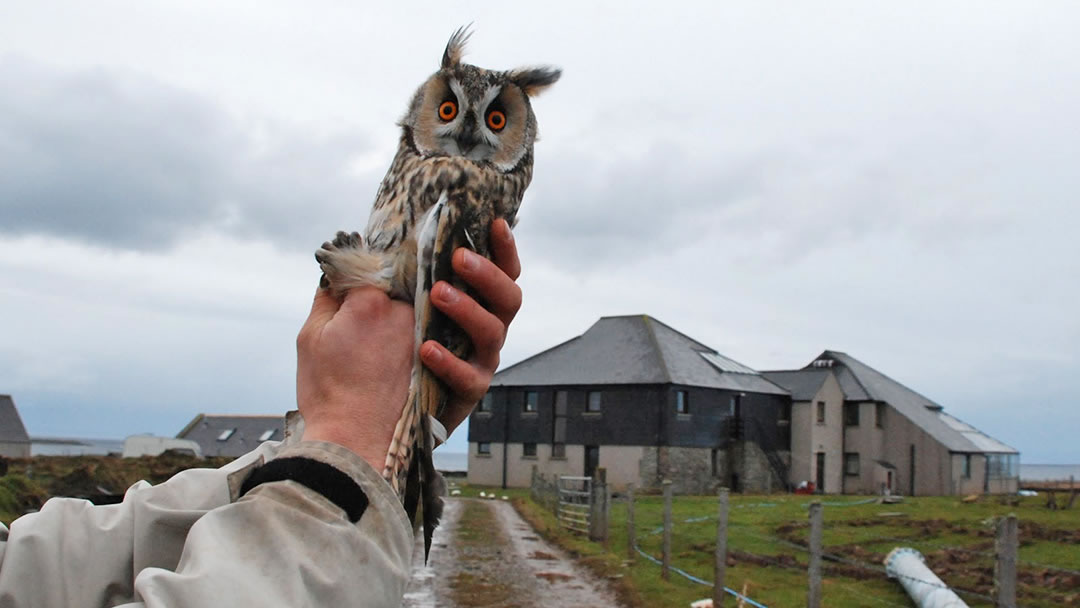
332	483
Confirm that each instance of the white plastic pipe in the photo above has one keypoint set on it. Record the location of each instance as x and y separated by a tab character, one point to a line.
908	567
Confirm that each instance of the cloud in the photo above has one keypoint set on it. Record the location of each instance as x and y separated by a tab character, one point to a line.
116	158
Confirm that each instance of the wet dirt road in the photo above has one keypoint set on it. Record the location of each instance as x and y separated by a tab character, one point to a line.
486	555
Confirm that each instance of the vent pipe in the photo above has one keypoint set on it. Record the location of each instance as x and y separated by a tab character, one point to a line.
908	567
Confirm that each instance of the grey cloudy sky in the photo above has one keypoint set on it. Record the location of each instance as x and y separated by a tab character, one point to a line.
897	182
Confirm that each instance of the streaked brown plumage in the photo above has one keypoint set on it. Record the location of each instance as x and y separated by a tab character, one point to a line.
463	160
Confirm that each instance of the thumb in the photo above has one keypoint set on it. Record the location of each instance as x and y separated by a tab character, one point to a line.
323	308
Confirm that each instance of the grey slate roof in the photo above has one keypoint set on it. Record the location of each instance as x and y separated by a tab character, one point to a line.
11	425
205	429
634	349
804	384
860	382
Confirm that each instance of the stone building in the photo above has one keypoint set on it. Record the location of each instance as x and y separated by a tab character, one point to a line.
640	399
14	442
855	430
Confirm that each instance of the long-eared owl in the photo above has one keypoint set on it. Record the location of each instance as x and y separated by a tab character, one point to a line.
464	159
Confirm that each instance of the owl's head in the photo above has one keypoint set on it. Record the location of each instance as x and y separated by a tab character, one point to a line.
482	115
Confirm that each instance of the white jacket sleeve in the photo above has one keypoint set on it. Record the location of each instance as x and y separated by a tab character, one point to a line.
191	542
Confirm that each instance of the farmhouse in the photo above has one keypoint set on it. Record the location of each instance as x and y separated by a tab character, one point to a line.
647	402
232	436
640	399
14	442
856	430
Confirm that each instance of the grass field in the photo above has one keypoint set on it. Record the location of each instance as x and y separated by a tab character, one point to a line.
767	536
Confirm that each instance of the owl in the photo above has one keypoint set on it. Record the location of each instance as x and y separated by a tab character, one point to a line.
464	158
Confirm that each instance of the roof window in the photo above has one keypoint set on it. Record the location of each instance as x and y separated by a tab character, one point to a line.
224	436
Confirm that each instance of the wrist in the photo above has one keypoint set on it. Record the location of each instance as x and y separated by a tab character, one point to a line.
358	439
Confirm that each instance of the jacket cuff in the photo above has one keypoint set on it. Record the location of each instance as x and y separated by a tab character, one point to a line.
361	477
333	484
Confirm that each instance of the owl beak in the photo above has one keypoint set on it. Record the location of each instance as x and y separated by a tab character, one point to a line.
467	139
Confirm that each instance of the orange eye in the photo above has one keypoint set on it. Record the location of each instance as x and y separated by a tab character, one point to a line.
496	120
447	110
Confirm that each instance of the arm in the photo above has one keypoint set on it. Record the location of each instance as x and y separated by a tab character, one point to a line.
194	541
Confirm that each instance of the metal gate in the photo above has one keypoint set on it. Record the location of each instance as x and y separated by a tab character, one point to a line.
575	503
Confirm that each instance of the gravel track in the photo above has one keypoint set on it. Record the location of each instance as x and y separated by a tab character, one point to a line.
514	568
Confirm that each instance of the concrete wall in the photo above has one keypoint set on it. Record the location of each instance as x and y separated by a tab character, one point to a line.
808	437
488	470
867	440
485	469
623	464
15	449
976	482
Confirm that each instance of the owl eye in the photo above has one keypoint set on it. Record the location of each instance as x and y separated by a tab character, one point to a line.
496	120
447	110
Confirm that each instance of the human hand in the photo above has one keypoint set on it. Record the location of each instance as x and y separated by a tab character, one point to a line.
354	360
494	282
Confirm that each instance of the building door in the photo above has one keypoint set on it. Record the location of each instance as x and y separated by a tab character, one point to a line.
592	459
819	482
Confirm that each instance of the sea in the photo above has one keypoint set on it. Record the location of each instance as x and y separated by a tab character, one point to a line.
68	446
1049	472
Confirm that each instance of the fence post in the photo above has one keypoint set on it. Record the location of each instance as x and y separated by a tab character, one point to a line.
665	568
1072	492
631	541
597	525
1005	548
720	568
607	515
813	595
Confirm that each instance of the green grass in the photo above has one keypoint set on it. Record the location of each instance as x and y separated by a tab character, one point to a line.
764	533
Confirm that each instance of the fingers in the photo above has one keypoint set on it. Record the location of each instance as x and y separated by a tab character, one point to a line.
491	282
486	330
504	249
467	381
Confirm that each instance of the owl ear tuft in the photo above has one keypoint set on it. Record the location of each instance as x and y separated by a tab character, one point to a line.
455	49
535	80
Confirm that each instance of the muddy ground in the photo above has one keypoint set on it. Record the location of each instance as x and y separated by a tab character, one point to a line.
485	555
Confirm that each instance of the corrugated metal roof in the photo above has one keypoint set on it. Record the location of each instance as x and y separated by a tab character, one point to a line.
232	435
11	425
635	349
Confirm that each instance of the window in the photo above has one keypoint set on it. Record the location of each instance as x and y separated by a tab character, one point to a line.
682	402
733	405
267	434
851	414
785	414
224	436
851	464
485	403
715	472
558	427
592	406
821	412
528	450
967	466
531	402
879	415
483	448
